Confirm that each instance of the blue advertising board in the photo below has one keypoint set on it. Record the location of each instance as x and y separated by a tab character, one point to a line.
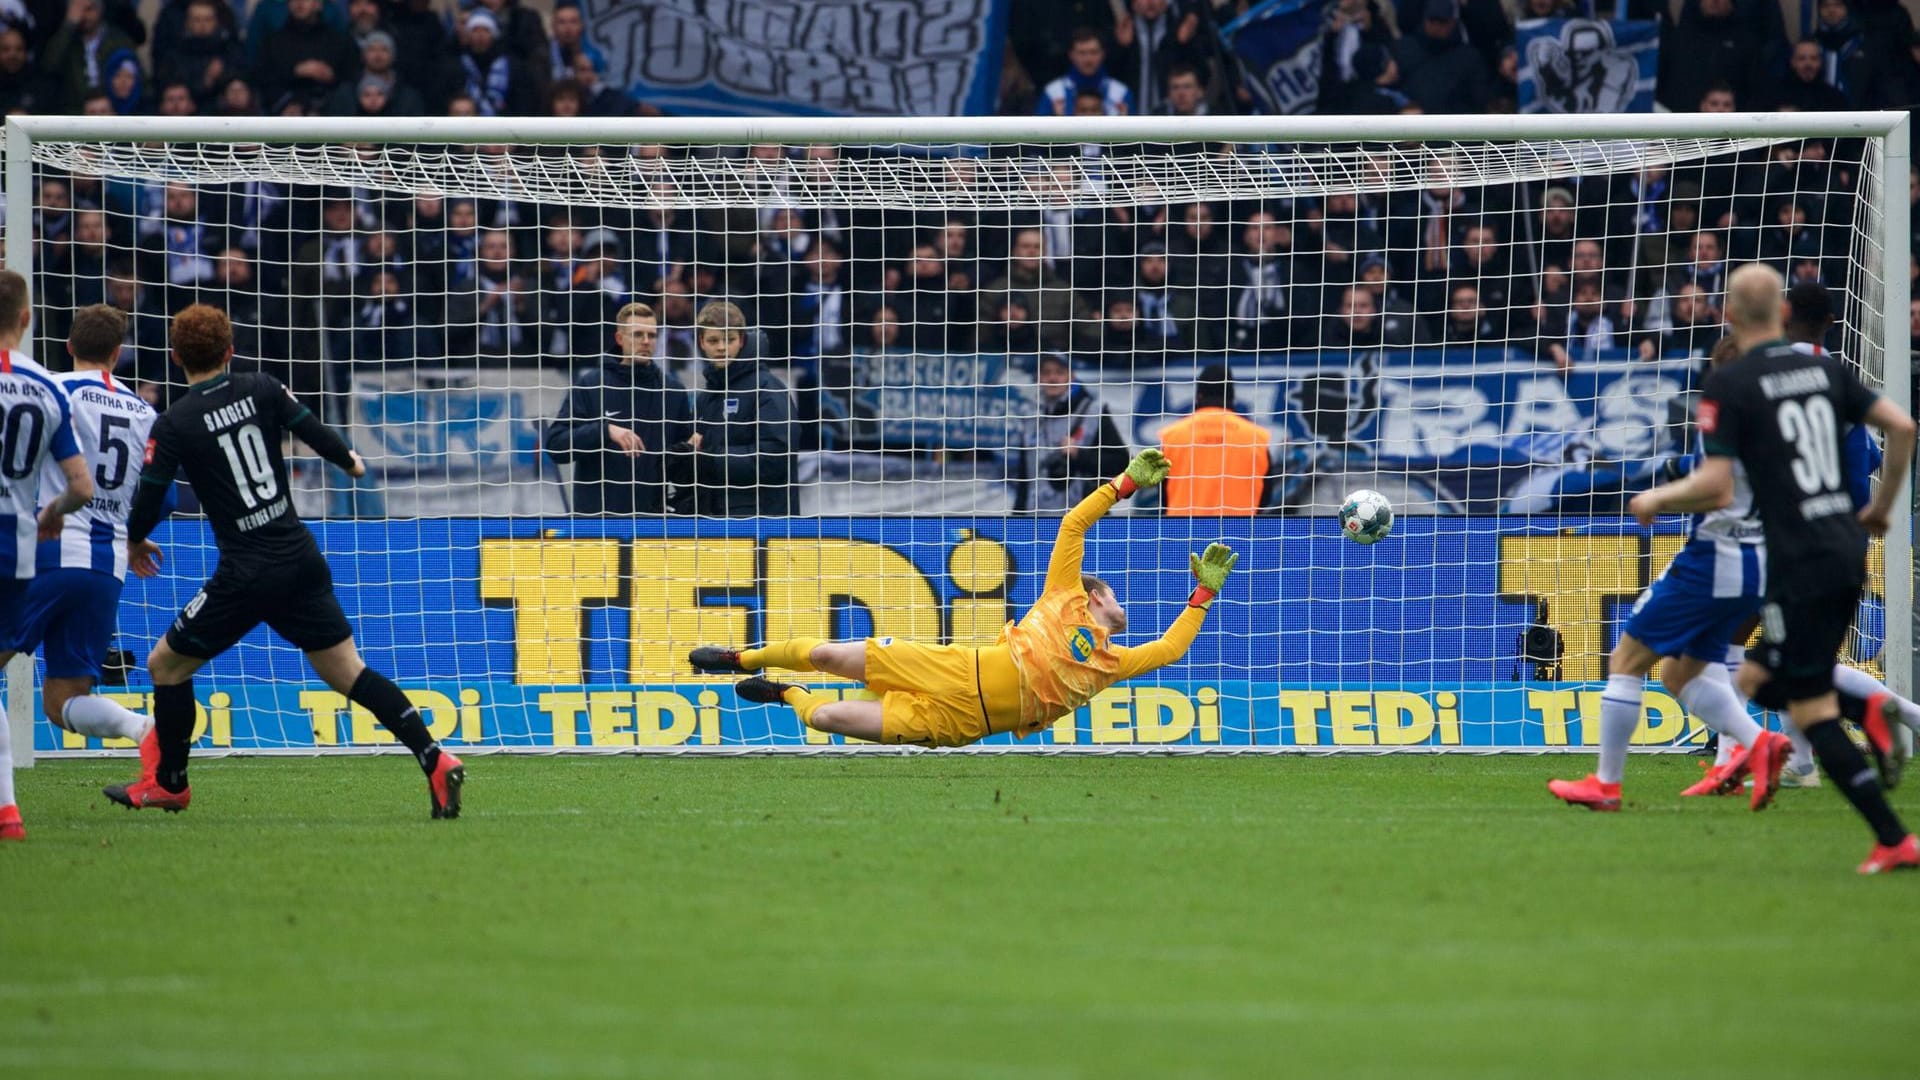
570	634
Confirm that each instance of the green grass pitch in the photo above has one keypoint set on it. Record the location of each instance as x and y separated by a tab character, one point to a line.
944	916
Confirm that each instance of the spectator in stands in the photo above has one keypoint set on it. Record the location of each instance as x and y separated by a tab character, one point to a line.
306	58
1706	267
1150	39
1591	325
496	81
22	89
589	74
377	56
1029	298
205	55
1805	87
819	306
191	239
170	25
743	415
1087	56
1166	313
1358	324
270	15
1466	322
1186	93
522	34
939	316
621	422
570	42
1262	298
80	56
1072	445
1711	43
1852	65
883	333
237	98
1695	325
1222	462
126	83
499	316
679	338
1439	70
176	99
1374	89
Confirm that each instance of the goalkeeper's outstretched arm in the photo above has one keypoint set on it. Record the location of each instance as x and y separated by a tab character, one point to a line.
1147	469
1211	570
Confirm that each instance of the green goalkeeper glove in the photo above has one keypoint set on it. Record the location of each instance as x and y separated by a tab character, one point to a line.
1147	469
1212	569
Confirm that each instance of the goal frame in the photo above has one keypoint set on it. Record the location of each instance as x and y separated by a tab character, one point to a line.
1890	131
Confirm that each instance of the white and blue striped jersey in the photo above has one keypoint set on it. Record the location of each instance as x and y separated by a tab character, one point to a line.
111	424
1732	537
36	432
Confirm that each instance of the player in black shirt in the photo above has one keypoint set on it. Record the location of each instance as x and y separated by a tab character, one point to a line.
1783	413
225	434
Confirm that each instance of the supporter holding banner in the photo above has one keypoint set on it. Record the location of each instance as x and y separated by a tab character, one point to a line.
1587	65
1277	47
832	58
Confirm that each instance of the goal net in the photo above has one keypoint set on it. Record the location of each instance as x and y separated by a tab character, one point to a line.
953	330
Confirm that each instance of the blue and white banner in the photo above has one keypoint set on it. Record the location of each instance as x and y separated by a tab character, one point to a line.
823	58
1587	65
1277	45
557	633
1450	431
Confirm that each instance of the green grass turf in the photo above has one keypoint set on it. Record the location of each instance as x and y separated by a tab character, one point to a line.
947	917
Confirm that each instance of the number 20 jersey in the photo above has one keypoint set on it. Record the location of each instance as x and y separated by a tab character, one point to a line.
1783	414
34	428
111	424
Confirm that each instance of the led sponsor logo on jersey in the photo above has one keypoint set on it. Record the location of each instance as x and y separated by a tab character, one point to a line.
1080	644
1708	416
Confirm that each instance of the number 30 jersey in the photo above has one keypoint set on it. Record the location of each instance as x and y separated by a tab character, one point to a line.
1783	414
34	429
111	425
225	434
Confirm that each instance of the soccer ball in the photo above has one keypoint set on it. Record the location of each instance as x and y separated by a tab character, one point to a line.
1366	517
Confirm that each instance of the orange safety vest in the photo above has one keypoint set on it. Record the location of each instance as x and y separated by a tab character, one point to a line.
1219	463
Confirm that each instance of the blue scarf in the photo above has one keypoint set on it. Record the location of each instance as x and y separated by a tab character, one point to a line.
489	92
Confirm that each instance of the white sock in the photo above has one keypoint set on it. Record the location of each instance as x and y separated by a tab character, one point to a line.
91	715
6	762
1860	684
1619	719
1711	698
1802	759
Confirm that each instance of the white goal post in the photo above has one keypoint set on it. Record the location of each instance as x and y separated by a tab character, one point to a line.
1400	303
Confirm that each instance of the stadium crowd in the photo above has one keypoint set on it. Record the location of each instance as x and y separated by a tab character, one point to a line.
323	282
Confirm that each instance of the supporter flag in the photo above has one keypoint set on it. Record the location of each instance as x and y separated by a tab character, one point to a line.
1277	47
832	58
1587	65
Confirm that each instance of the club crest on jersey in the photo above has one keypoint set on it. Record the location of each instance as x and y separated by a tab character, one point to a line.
1080	644
731	406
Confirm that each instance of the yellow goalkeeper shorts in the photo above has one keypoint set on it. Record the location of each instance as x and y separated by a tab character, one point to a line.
930	694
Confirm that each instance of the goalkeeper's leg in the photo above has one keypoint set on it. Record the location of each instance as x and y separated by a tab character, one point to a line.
844	658
860	718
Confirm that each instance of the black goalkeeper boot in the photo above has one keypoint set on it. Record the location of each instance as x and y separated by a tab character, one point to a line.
716	658
762	691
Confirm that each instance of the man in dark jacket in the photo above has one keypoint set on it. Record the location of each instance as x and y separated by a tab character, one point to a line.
1072	441
1439	70
622	422
306	58
743	420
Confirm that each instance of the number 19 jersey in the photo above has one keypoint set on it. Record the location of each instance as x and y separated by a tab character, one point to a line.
226	435
34	428
111	424
1782	413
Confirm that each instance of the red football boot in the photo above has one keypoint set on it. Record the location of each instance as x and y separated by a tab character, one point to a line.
1588	792
1722	779
149	754
443	785
147	794
11	827
1889	756
1765	758
1904	855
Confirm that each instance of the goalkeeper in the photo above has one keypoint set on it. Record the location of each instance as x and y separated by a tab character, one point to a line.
1041	668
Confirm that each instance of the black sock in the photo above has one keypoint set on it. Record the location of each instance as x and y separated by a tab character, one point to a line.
173	716
388	703
1849	771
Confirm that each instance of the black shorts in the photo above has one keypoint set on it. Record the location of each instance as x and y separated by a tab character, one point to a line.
294	597
1800	638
